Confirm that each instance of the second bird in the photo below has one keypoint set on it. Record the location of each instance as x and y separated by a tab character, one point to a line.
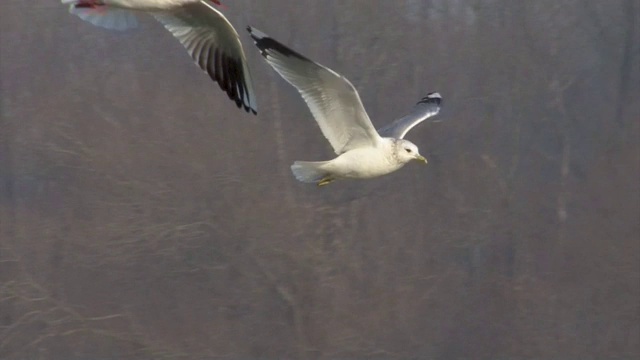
207	35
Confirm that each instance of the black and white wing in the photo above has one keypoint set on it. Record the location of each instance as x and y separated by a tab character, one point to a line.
215	46
427	107
332	99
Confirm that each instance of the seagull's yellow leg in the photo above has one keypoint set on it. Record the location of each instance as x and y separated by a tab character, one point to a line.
326	180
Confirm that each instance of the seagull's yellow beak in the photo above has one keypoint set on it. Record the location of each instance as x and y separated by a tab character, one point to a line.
422	159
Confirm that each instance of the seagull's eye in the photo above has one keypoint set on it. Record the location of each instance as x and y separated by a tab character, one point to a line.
408	150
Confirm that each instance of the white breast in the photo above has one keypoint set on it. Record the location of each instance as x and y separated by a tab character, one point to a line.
366	162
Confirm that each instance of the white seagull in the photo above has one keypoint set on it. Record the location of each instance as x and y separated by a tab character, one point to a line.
362	151
206	34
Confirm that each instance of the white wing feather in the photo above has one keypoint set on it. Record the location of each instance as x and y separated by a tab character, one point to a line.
332	99
427	107
215	46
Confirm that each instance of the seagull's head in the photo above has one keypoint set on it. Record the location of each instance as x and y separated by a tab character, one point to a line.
407	151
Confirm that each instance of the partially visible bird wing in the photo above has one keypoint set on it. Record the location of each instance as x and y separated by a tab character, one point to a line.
332	99
427	107
215	46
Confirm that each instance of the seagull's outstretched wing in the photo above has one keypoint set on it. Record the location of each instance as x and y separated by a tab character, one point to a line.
333	101
215	46
424	109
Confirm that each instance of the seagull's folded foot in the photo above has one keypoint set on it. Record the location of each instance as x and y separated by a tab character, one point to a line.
326	180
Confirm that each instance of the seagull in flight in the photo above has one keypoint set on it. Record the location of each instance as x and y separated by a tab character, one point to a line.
335	104
206	34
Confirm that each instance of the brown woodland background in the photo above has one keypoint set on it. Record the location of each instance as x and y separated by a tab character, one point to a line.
142	216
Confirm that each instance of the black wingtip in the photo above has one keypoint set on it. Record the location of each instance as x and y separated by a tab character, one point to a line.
269	46
231	77
247	108
258	38
256	34
431	98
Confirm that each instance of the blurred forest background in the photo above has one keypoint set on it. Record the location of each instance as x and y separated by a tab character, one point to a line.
143	216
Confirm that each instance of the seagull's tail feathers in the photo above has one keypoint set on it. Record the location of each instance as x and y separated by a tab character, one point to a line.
309	171
102	15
